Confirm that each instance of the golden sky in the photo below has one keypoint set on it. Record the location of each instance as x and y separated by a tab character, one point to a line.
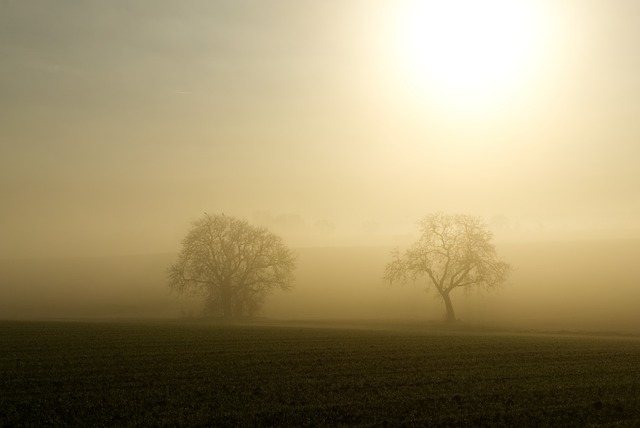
331	122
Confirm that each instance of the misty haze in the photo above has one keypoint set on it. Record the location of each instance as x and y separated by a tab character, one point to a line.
430	208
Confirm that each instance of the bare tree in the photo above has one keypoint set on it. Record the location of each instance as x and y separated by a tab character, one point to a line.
453	251
233	264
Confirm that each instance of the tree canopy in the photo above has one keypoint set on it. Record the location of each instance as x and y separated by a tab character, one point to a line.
453	251
232	264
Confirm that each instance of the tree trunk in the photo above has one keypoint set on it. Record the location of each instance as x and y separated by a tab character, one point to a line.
451	315
226	297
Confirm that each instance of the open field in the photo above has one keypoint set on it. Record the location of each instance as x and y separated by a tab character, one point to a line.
196	373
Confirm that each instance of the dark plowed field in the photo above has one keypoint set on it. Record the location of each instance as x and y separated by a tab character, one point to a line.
197	374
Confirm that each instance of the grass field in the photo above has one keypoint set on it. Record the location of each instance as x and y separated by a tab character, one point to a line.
200	374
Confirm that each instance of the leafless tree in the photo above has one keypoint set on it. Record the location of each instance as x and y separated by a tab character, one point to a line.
233	264
453	251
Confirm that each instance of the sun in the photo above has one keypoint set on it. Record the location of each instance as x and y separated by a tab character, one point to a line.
467	53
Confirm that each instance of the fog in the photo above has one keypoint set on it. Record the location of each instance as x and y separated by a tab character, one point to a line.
121	123
574	286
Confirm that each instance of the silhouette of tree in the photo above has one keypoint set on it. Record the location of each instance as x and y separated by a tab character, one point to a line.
453	251
233	264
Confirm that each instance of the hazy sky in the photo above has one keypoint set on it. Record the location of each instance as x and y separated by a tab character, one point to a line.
333	122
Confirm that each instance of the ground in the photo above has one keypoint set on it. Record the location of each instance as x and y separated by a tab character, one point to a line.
196	373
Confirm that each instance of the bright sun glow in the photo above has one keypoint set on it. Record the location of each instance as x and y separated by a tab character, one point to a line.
467	53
